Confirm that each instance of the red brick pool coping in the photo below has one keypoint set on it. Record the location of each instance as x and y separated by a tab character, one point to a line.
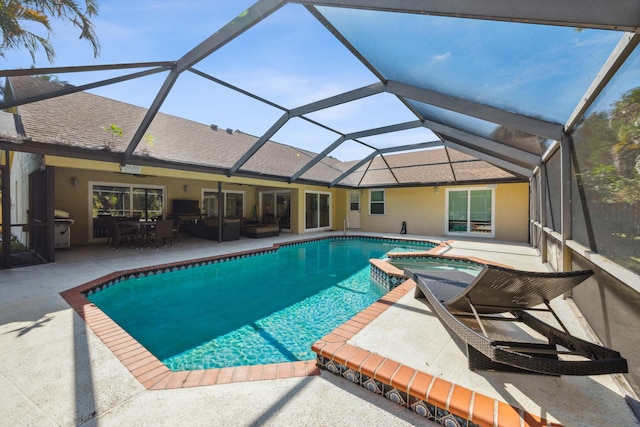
154	375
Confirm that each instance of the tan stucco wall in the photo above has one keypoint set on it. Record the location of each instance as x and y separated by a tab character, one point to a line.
423	209
512	212
76	200
420	207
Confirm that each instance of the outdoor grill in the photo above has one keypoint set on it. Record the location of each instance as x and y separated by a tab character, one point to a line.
62	229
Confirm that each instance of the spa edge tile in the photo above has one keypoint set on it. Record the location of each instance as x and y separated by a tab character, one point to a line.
420	385
332	338
345	333
370	365
460	401
342	354
386	370
508	415
402	378
123	344
531	420
439	393
352	326
356	358
330	349
483	410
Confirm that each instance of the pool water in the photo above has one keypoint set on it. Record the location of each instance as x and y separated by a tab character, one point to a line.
427	263
260	309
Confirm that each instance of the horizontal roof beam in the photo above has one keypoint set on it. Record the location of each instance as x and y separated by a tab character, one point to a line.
369	132
484	145
82	69
607	14
475	109
342	98
500	163
409	147
69	89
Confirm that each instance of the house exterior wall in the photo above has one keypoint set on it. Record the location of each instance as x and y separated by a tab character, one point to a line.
77	200
423	209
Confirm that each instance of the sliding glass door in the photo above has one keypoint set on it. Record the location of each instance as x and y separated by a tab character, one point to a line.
277	203
318	211
470	212
232	203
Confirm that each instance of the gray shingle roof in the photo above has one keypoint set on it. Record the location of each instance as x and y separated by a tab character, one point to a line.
81	120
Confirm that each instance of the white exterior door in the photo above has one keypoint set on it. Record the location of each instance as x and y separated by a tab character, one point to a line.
353	209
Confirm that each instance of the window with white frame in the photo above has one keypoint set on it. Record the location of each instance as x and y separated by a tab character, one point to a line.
470	211
127	200
232	203
376	202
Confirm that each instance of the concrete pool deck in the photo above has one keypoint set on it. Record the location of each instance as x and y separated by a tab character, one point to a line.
56	371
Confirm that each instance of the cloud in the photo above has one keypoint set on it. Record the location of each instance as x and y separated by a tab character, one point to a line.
442	57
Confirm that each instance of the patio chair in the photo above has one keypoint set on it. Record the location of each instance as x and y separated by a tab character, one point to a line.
163	230
466	304
119	233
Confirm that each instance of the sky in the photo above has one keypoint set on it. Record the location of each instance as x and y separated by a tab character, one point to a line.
291	59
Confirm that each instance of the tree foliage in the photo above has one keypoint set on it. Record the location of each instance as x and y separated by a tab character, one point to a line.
608	149
18	16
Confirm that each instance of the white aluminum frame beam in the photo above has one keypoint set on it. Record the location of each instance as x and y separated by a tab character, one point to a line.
625	47
254	14
67	90
351	136
484	145
355	167
332	101
475	109
607	14
502	164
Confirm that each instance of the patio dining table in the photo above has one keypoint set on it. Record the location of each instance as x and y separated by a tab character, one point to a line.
144	228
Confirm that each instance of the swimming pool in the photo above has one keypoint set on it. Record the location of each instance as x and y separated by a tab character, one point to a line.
260	309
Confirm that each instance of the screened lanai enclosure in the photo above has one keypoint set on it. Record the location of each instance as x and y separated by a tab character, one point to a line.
540	91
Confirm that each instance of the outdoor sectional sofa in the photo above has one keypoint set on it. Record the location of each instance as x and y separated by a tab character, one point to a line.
270	227
208	229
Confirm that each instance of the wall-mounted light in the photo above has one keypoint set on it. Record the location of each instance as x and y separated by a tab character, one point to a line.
185	188
75	181
436	189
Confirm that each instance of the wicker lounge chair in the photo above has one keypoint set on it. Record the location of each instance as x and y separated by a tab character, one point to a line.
466	304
